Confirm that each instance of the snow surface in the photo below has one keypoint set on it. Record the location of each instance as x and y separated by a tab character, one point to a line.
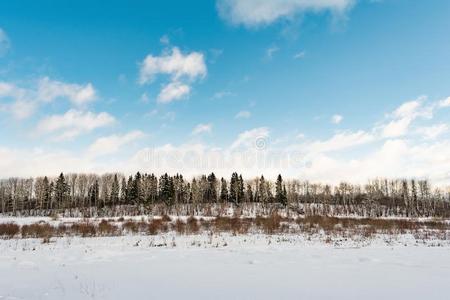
223	267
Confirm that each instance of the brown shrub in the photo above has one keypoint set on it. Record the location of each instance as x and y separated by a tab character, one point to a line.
222	224
9	230
38	230
180	226
131	226
156	226
107	229
192	225
84	229
166	218
269	225
62	230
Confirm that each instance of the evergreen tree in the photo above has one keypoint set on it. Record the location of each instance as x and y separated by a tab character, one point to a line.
131	191
115	189
223	190
62	191
234	188
249	193
280	192
212	188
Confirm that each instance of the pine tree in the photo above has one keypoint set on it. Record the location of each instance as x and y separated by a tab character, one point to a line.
62	191
234	188
212	188
280	192
223	190
241	195
131	192
115	191
249	193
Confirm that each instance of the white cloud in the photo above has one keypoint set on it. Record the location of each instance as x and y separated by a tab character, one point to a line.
164	40
300	136
112	144
254	13
73	123
22	102
432	132
271	51
21	106
49	90
202	128
326	160
396	128
221	94
179	67
173	91
299	55
251	138
243	114
340	141
22	109
4	42
445	102
404	115
336	119
175	64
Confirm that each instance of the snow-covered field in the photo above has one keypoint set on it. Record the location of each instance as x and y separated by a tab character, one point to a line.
223	267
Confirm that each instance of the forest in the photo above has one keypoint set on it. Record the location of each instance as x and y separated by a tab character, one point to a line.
116	194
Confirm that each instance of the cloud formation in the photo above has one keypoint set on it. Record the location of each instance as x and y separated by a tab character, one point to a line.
243	114
173	91
202	128
253	13
22	102
73	123
336	119
182	69
111	144
49	90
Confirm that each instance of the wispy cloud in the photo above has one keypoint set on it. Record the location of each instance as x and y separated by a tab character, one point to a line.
336	119
299	55
271	51
202	128
112	144
73	123
254	13
243	114
22	102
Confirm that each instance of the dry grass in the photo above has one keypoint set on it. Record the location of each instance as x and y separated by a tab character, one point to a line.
273	224
157	226
269	225
179	226
84	229
107	229
37	230
193	226
130	226
166	218
9	230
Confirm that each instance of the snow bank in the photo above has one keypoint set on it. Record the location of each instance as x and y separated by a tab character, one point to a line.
222	267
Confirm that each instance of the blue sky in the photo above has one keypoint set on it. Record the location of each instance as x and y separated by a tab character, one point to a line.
334	85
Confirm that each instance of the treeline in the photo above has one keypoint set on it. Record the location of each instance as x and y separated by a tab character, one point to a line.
381	197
